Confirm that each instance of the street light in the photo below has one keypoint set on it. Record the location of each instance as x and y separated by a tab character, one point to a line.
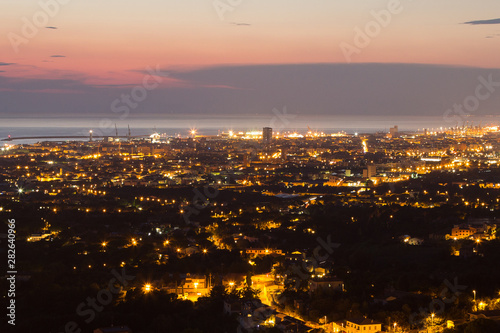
147	288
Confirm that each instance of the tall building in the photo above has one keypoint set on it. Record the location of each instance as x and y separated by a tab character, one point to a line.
267	134
370	171
394	131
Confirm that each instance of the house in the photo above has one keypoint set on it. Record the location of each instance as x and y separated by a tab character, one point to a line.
263	252
295	256
192	285
462	231
320	271
194	282
475	229
364	325
326	283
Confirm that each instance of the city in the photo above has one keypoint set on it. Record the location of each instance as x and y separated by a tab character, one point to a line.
260	231
263	166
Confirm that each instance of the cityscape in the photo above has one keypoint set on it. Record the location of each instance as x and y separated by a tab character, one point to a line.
259	231
264	166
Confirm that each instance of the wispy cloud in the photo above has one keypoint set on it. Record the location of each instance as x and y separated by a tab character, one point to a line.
42	91
58	56
51	28
240	23
6	63
479	22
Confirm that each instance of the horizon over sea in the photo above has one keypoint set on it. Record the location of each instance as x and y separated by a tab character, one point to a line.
204	125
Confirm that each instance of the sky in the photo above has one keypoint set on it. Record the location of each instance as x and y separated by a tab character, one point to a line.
75	58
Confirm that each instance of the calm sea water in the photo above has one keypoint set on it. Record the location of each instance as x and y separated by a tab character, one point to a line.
280	122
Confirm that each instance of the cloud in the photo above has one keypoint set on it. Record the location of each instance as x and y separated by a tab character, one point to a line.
51	28
478	22
2	71
308	89
240	24
6	63
57	56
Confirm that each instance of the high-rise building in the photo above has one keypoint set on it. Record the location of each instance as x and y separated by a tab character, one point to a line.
370	171
267	134
394	132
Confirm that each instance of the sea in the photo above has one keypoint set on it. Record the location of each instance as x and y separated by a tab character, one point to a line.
182	126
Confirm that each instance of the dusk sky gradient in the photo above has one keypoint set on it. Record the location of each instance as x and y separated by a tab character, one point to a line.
92	51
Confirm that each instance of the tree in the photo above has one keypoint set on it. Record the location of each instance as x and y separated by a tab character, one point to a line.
248	280
249	293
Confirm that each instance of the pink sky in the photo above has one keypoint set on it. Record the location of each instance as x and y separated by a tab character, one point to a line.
108	41
419	57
